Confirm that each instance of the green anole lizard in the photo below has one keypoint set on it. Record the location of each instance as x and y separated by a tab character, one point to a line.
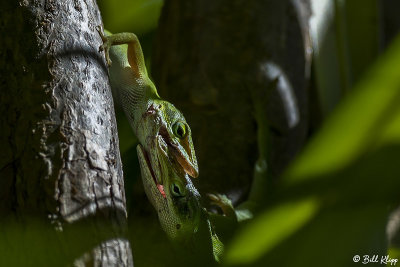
165	150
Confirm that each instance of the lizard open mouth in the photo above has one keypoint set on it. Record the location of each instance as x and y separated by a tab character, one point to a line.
159	186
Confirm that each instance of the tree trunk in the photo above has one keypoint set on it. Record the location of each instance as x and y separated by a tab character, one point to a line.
60	158
211	60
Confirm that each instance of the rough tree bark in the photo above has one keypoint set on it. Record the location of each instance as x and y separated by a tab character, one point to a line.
211	60
60	158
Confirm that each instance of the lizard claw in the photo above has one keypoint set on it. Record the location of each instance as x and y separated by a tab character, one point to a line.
105	46
103	37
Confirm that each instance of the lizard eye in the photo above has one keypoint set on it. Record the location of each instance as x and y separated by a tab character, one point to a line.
176	190
179	129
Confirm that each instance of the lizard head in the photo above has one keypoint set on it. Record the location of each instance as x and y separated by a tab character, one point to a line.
176	200
162	120
178	136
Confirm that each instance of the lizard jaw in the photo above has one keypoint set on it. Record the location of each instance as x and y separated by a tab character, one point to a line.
182	159
148	165
178	151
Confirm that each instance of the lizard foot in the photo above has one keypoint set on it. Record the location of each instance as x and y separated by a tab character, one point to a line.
105	46
224	203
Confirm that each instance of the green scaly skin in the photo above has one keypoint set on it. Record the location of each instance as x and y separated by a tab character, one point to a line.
165	151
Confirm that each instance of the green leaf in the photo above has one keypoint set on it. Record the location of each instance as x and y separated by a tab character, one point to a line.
269	229
357	123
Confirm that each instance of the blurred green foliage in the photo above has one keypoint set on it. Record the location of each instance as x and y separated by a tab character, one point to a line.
138	16
359	122
269	229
